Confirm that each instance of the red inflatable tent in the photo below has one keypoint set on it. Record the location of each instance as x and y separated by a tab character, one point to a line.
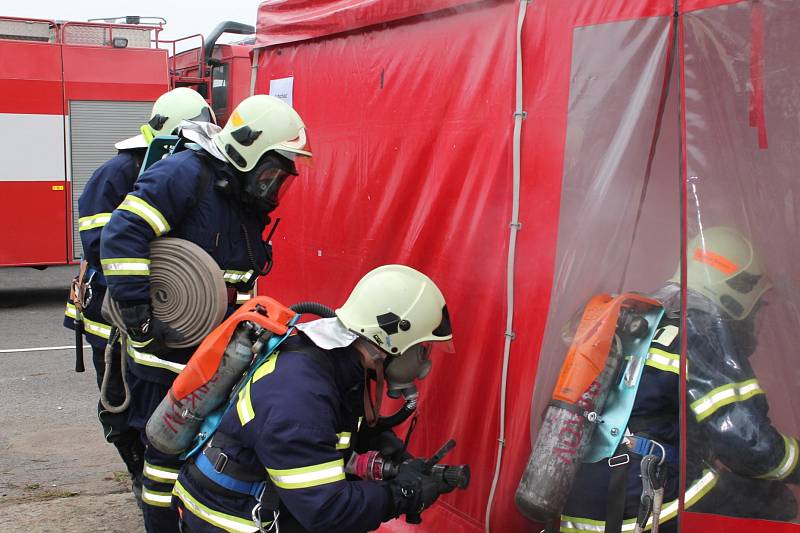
527	155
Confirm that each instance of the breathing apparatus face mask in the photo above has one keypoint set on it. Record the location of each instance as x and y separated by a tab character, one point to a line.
414	363
265	185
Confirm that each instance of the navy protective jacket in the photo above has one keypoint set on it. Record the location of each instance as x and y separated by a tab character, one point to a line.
178	196
727	423
104	191
293	423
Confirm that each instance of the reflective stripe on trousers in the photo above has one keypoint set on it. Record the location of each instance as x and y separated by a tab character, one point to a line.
215	518
98	329
698	489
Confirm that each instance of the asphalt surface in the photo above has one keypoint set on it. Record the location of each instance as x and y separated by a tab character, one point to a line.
56	470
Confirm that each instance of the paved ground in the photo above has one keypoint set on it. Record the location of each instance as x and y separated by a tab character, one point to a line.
55	467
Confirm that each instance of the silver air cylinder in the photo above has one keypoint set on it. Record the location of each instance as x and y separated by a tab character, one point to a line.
174	424
562	442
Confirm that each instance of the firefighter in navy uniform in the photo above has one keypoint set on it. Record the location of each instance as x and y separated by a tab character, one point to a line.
727	414
281	454
104	191
219	197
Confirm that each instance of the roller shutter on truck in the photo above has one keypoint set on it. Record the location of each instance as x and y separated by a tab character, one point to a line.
94	127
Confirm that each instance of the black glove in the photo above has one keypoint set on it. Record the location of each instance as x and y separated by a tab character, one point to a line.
151	333
411	491
384	441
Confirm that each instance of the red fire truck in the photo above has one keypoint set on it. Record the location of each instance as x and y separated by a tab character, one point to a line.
69	91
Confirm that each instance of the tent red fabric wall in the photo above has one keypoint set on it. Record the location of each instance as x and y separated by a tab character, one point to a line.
410	109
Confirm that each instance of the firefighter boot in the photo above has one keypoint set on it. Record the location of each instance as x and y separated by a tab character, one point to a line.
132	453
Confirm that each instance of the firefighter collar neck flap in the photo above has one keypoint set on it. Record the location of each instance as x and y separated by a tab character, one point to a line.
328	333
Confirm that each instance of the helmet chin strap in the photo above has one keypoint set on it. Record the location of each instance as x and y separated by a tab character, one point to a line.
372	358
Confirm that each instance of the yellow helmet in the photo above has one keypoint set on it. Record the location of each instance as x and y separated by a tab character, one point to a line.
169	110
396	307
722	266
175	106
259	124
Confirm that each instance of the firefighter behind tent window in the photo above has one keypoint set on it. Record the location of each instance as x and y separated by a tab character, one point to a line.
104	191
738	463
280	455
218	194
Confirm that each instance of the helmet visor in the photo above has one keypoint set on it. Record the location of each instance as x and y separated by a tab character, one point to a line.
272	184
445	329
266	184
298	149
446	346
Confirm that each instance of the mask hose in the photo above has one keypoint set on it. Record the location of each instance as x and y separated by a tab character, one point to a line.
411	395
250	254
314	308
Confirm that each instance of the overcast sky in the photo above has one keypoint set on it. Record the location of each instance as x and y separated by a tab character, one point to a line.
184	17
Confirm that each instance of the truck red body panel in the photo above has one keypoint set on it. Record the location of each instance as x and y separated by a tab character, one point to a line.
48	69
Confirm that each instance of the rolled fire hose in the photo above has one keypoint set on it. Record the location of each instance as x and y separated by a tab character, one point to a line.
187	292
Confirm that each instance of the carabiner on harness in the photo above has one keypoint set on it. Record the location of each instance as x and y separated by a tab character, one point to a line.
256	516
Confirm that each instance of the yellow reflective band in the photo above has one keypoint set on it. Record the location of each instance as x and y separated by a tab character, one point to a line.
126	266
155	498
147	212
237	276
725	395
308	476
788	463
215	518
574	524
148	359
98	329
93	221
244	406
267	367
138	344
698	489
160	474
668	362
343	440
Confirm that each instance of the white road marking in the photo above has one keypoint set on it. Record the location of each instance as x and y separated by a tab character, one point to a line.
43	349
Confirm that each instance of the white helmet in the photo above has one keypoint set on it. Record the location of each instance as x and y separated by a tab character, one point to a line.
722	266
396	307
261	123
168	111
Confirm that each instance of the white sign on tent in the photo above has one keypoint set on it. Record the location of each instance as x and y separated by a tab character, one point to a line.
282	88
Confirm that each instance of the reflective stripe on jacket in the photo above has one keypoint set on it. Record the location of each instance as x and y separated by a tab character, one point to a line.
294	420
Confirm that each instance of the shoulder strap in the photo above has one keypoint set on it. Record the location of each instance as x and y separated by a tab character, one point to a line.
212	421
204	181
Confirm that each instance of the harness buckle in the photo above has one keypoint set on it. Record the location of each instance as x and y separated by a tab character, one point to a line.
221	462
645	446
619	460
261	492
